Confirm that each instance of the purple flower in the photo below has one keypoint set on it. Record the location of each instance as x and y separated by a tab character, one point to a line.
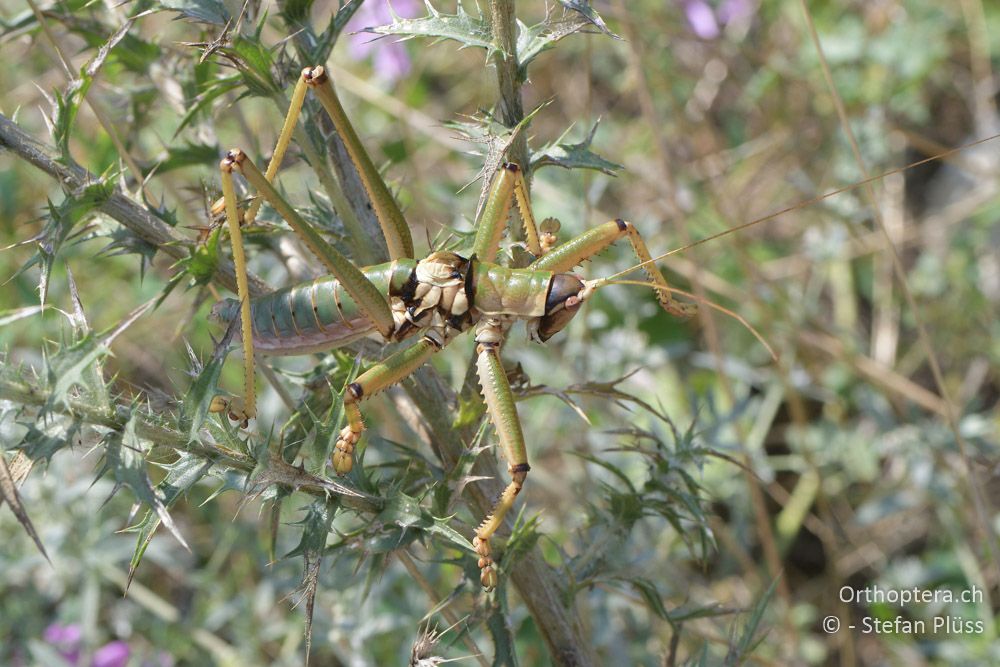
66	640
390	61
701	18
706	22
112	654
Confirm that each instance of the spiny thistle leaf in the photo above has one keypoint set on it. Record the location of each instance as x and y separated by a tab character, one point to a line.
487	130
327	430
200	11
505	652
461	27
315	528
523	538
68	104
75	365
199	396
188	154
573	156
9	316
590	14
531	41
254	62
8	493
39	445
200	264
208	92
181	476
125	459
406	512
60	221
654	600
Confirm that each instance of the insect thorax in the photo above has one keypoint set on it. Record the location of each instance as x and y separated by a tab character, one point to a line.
437	299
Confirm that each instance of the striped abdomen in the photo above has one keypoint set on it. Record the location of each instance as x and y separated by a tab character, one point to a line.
315	315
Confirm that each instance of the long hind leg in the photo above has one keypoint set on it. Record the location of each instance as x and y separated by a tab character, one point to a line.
372	304
390	218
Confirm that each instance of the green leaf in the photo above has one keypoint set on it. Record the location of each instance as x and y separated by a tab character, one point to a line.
68	104
327	430
315	529
78	365
200	11
523	538
532	41
125	459
210	91
10	316
748	640
42	445
60	221
73	367
460	27
486	130
188	155
406	513
254	62
198	399
501	632
181	476
573	156
587	12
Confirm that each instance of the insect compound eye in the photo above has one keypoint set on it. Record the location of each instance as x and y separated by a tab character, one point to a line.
561	304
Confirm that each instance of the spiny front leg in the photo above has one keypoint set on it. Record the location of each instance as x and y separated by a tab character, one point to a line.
503	413
508	186
571	253
384	374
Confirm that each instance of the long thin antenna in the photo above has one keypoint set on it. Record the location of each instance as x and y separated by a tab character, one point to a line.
808	202
601	282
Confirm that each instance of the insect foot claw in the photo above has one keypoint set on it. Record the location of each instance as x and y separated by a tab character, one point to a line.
344	451
488	574
234	409
682	310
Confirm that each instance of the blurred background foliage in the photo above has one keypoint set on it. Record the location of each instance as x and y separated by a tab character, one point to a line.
709	505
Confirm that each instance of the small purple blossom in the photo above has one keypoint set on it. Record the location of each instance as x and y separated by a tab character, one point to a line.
68	639
112	654
390	61
65	639
707	23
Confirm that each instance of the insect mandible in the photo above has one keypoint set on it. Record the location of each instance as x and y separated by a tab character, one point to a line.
432	300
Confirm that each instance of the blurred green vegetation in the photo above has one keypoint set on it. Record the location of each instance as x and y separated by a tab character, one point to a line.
671	510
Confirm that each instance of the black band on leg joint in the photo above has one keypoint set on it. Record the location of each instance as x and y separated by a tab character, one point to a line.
520	467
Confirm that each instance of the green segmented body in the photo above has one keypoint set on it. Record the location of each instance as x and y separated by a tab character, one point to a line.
315	315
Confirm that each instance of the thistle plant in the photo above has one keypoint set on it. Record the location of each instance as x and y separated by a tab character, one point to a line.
691	500
160	449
